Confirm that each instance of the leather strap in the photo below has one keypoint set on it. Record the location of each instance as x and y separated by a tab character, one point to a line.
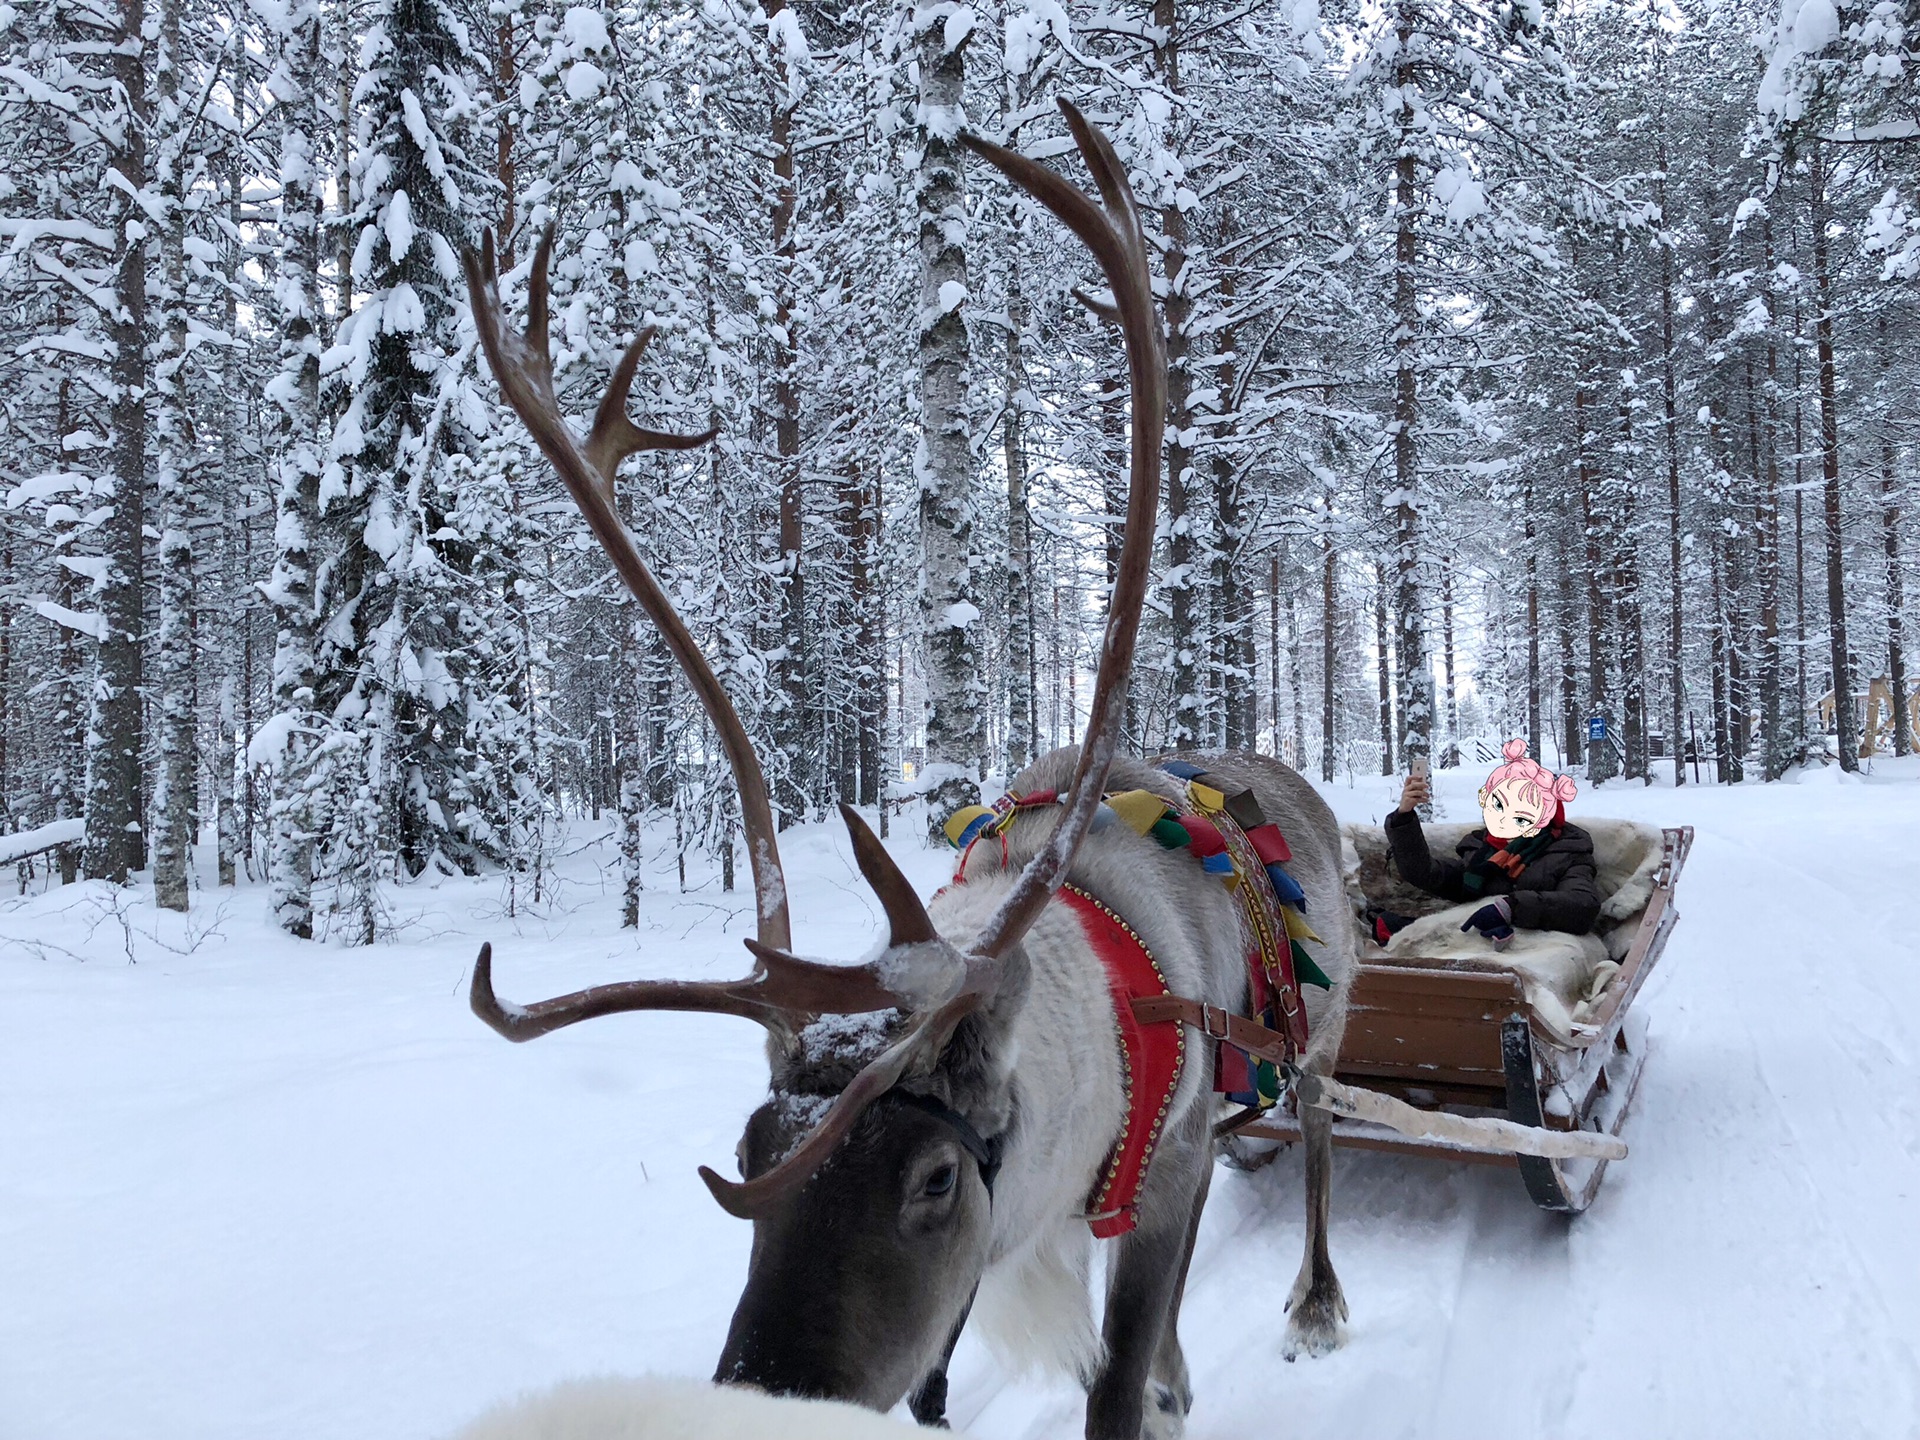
986	1153
1216	1022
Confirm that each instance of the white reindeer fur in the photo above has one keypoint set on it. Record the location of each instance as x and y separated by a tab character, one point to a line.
613	1408
1033	1307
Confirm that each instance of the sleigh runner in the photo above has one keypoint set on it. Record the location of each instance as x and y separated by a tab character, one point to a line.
1475	1035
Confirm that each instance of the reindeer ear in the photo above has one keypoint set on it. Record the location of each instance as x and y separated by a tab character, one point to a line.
978	1060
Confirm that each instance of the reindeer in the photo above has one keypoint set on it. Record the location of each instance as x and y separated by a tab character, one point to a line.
939	1116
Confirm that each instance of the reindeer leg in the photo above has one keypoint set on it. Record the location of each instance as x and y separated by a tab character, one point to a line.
1316	1307
1148	1272
1172	1388
928	1403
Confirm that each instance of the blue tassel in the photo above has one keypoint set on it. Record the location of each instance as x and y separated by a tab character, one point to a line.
1221	864
1287	888
980	823
1181	770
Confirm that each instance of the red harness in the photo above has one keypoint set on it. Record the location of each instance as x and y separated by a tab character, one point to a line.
1153	1056
1154	1050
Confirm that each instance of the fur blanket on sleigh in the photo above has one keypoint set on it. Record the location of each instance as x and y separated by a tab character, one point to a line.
653	1408
1566	976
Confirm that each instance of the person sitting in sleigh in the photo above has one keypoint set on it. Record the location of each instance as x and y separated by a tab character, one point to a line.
1533	869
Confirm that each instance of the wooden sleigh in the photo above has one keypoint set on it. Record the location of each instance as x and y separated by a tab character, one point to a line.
1461	1035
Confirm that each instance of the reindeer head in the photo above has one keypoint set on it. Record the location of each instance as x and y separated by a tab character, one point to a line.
868	1173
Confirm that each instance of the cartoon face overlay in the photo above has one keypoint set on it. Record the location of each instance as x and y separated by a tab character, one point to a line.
1513	809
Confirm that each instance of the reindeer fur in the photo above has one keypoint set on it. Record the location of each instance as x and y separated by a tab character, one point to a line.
858	1282
1063	1053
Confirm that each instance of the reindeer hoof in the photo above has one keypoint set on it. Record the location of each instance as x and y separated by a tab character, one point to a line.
1244	1152
1314	1318
1314	1322
1166	1413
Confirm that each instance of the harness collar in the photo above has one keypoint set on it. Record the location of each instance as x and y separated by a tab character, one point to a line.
987	1152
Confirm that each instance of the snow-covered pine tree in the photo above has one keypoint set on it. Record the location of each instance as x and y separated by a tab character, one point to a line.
417	662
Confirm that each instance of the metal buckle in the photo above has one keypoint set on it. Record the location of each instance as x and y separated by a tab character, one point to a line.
1207	1012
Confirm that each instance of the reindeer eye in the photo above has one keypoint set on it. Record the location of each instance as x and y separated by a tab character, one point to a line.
940	1181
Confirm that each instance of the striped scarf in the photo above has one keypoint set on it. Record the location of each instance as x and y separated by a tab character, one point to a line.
1509	857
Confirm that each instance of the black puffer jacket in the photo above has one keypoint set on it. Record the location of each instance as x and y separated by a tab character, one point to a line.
1556	891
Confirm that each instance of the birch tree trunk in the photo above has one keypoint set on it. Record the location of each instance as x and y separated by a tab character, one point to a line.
1602	760
795	734
1416	675
1449	756
115	843
296	390
1776	740
1529	538
1572	731
1630	635
870	641
1802	712
1896	582
1182	545
945	467
233	591
173	640
1386	670
1329	636
1236	660
1020	674
1670	434
1846	730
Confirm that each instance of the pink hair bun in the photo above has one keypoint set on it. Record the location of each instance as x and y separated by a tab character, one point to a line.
1541	783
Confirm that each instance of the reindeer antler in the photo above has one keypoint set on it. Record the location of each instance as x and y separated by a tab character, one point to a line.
1118	242
1114	234
781	990
523	364
784	990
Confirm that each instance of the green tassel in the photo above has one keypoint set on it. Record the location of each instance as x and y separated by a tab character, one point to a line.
1170	833
1305	971
1266	1084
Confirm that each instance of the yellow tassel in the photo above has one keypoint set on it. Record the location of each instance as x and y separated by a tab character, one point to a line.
1297	927
1139	809
1205	798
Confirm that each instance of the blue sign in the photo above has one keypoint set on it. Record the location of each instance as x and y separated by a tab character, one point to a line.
1597	727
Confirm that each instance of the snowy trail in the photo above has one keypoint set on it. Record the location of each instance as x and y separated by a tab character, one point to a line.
266	1190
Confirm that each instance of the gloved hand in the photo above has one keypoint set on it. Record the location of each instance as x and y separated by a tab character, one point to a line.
1493	920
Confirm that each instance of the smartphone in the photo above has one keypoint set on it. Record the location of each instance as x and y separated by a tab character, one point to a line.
1419	767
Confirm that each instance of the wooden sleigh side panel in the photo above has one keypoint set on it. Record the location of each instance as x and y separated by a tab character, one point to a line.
1460	1034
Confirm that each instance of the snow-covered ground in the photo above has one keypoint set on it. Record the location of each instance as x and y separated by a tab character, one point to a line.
253	1188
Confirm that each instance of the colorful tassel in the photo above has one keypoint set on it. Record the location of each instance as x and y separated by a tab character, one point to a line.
1269	844
1220	865
1232	1075
1171	834
1286	887
1140	809
1305	971
1181	770
964	824
1245	811
1205	839
1297	926
1206	798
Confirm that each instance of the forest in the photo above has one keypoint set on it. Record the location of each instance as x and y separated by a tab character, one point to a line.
1542	368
